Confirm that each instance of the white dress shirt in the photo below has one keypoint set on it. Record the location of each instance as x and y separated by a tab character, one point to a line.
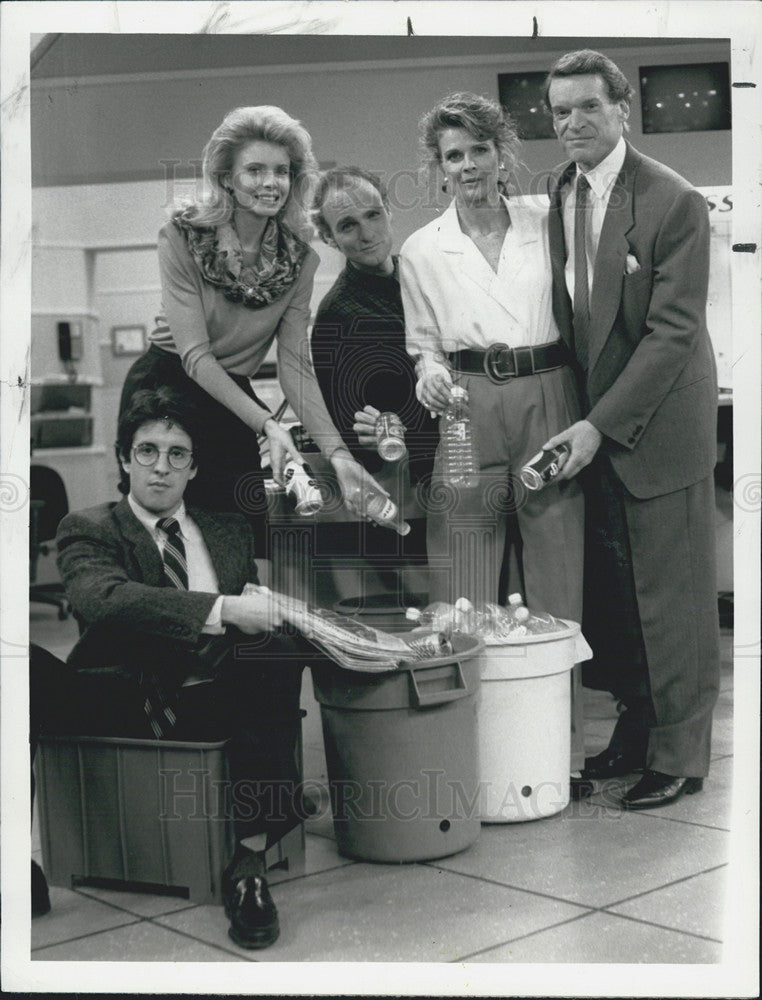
453	299
601	180
201	574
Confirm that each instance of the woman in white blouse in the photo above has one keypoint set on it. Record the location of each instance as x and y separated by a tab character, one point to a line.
476	288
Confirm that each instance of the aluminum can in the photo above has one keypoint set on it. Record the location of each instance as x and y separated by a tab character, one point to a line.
301	485
429	646
390	437
544	467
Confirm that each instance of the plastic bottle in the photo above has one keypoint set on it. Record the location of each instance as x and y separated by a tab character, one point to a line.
508	622
544	624
381	509
460	460
390	437
470	619
439	616
516	608
303	488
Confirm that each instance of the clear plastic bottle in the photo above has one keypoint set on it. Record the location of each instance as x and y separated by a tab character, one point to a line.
544	624
529	622
390	437
381	509
439	616
460	459
507	622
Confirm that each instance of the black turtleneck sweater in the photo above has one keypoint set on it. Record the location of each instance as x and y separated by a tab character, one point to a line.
358	350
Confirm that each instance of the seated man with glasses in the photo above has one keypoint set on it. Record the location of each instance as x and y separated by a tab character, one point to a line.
171	649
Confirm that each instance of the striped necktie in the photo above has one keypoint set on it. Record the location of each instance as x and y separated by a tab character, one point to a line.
581	279
173	555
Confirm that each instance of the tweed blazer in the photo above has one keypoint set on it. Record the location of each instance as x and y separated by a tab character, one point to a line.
651	381
114	579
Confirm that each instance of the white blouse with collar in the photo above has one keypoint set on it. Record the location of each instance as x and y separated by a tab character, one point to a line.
453	299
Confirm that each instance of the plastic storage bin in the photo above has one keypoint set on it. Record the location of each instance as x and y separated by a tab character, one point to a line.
147	812
525	725
402	755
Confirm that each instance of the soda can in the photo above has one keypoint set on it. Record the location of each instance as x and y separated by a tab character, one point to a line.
544	467
390	437
428	646
303	488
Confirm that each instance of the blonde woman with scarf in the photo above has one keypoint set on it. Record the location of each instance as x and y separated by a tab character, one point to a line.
236	275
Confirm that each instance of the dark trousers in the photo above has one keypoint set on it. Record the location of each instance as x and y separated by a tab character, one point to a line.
610	620
651	616
253	703
230	476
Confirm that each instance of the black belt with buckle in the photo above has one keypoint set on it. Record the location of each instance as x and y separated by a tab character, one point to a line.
501	362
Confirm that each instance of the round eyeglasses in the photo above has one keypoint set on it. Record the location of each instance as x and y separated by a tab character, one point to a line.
148	454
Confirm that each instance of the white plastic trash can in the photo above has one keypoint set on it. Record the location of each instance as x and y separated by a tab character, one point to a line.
525	725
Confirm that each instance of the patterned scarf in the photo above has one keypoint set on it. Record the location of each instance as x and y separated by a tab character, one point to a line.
218	255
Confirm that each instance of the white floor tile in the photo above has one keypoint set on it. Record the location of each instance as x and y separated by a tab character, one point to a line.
382	913
603	938
591	855
73	915
696	905
141	942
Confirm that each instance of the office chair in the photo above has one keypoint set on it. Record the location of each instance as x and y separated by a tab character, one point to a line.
48	503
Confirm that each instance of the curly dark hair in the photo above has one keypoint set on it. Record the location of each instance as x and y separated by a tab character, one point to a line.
146	406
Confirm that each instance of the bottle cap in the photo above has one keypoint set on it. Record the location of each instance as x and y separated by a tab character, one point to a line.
413	614
515	599
463	604
458	392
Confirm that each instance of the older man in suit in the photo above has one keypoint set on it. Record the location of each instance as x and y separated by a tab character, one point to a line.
171	648
630	255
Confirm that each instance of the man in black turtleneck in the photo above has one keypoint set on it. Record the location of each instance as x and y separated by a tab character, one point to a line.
358	339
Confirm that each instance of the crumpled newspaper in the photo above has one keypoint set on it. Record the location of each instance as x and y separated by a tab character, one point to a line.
352	644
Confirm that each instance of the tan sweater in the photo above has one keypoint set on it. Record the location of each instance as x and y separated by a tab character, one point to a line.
213	335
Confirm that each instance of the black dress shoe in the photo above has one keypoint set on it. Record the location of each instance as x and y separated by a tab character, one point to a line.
250	909
657	789
611	764
40	896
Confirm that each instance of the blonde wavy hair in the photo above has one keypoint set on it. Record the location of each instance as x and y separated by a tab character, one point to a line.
266	123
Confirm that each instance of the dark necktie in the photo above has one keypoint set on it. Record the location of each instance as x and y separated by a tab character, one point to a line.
581	286
175	563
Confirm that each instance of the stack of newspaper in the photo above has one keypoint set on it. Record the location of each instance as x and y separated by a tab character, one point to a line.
352	644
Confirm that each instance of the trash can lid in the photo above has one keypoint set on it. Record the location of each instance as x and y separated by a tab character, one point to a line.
397	689
535	655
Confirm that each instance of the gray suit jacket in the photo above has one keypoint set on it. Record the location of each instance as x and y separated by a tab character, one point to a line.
651	381
114	579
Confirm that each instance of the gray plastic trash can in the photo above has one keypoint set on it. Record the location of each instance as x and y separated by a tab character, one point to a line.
402	755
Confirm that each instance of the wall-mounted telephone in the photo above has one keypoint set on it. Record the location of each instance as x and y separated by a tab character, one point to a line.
69	341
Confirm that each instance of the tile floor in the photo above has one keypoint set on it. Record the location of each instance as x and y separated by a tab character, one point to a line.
591	884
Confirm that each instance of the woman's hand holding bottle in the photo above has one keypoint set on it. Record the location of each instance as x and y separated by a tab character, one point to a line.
352	478
358	487
433	389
